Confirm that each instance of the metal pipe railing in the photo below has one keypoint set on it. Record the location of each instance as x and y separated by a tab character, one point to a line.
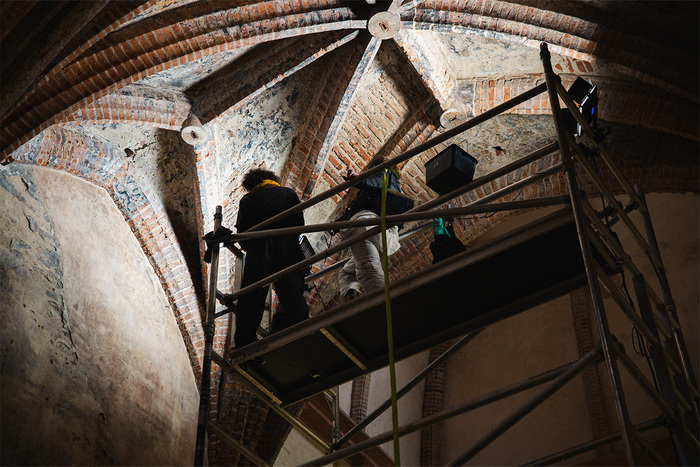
527	95
209	327
396	219
606	348
423	207
339	264
404	390
459	409
389	163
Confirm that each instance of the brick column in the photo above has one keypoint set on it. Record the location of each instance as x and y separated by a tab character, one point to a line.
581	311
433	402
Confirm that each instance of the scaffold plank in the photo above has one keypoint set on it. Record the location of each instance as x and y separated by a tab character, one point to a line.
488	283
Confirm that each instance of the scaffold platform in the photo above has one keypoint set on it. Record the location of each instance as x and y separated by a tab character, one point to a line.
488	283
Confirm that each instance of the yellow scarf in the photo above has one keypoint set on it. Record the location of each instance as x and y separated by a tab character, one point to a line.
265	183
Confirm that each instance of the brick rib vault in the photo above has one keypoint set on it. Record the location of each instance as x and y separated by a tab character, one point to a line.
303	88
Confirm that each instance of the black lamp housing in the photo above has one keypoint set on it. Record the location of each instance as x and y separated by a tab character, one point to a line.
585	96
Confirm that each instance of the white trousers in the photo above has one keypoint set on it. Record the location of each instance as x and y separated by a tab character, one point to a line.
364	269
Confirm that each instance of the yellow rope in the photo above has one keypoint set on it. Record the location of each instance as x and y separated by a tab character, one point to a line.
389	329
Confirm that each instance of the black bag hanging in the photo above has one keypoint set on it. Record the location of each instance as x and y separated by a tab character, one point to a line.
444	246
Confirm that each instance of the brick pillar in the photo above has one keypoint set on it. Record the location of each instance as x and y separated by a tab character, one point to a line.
433	402
582	310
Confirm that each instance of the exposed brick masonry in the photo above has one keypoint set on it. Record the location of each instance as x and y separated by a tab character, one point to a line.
133	54
433	402
581	310
582	33
281	60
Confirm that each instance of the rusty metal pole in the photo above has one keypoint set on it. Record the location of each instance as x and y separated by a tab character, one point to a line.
205	387
594	286
336	415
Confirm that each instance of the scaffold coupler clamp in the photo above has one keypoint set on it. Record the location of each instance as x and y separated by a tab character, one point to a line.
221	235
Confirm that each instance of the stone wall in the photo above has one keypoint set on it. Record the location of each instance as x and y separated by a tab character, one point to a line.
93	367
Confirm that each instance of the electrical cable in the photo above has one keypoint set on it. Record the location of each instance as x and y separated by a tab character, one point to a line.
640	347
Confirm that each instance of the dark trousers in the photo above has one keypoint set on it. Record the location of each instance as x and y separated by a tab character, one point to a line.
250	307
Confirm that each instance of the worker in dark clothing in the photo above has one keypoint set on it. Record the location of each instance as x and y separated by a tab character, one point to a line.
266	256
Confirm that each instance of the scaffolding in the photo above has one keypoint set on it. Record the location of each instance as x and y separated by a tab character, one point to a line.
588	253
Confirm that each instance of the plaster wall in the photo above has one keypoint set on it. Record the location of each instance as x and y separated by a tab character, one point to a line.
506	353
93	366
296	450
543	338
409	407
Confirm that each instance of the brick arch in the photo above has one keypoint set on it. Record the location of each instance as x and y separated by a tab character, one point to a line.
104	26
106	21
136	105
580	33
646	108
101	164
95	75
642	106
98	72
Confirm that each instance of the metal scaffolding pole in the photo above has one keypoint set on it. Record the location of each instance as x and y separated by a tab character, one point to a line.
681	348
335	266
606	351
423	207
477	207
220	432
594	444
591	358
404	390
209	326
579	218
499	109
588	359
263	396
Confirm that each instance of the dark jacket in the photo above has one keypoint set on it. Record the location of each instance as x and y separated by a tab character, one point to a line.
369	197
271	253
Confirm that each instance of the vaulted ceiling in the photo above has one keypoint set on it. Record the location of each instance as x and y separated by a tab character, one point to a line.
308	88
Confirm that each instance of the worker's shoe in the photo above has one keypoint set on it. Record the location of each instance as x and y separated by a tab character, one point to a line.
351	295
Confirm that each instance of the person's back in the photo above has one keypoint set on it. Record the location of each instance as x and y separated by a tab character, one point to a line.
260	205
268	255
